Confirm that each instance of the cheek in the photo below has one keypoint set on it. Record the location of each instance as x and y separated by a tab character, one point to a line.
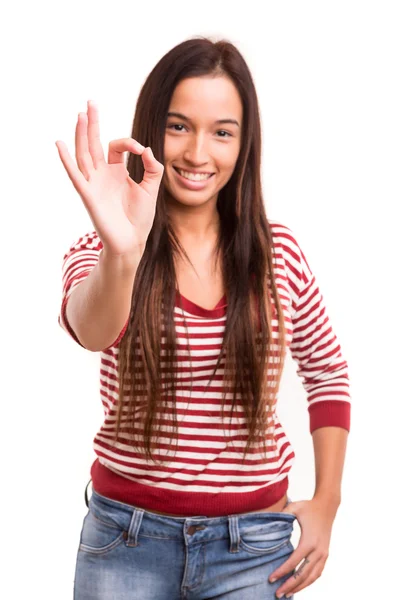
228	157
172	148
227	166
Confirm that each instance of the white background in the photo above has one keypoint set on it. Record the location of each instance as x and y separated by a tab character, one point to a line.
327	76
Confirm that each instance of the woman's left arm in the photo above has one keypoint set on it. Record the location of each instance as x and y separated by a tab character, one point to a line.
316	516
324	373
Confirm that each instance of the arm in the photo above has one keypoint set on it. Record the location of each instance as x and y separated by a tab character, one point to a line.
324	374
97	291
329	452
316	516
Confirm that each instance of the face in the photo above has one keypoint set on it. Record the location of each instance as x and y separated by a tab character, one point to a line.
195	142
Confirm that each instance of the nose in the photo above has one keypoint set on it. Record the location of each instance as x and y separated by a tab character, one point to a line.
196	151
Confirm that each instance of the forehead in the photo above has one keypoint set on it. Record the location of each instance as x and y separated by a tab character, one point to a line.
209	97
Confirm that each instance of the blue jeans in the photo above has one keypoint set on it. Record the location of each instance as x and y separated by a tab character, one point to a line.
127	553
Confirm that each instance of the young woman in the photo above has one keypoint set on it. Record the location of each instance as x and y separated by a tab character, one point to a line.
192	297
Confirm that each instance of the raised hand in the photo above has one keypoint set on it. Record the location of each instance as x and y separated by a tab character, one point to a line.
122	211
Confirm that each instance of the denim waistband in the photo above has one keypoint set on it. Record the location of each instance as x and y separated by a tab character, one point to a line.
199	528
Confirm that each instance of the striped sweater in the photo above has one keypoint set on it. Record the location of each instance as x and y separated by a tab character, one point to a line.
204	476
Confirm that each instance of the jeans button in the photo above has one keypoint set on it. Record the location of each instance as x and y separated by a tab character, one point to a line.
193	528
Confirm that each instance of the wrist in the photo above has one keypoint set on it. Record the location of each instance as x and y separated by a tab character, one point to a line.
327	499
125	263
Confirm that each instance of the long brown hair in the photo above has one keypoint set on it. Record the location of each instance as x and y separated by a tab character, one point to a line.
245	246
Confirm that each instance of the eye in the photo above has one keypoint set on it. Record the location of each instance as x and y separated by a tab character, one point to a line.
175	125
172	125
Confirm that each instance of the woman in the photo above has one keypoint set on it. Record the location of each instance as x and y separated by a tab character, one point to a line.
193	296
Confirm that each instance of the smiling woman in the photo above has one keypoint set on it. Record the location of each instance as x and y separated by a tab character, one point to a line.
193	298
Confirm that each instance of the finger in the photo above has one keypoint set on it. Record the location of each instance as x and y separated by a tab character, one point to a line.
82	154
315	573
95	148
287	567
78	180
299	576
116	149
153	172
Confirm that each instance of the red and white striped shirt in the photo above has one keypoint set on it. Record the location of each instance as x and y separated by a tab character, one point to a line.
204	475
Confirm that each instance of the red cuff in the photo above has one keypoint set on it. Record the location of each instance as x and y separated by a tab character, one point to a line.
330	413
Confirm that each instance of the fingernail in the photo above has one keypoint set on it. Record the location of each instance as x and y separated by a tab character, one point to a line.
273	579
139	145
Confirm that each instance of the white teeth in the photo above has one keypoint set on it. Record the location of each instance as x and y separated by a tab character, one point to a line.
193	176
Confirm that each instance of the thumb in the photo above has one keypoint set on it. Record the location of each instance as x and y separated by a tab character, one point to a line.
290	508
153	172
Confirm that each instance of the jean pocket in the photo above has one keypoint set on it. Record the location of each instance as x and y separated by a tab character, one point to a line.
98	536
265	538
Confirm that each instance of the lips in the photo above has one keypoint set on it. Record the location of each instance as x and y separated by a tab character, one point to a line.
191	184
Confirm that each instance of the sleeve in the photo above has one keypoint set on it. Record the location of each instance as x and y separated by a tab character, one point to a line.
316	349
78	262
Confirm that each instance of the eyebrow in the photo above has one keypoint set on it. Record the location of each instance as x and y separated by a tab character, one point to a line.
219	121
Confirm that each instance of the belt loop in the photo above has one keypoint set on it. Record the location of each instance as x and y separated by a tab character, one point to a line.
134	526
86	496
234	533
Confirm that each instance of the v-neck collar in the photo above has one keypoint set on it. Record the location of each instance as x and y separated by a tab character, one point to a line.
194	309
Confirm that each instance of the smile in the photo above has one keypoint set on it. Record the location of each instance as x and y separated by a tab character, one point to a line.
189	181
193	176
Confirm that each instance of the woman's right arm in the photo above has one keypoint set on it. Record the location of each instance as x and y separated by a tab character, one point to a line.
98	278
99	307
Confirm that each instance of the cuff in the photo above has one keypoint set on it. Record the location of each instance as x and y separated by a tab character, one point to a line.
329	413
